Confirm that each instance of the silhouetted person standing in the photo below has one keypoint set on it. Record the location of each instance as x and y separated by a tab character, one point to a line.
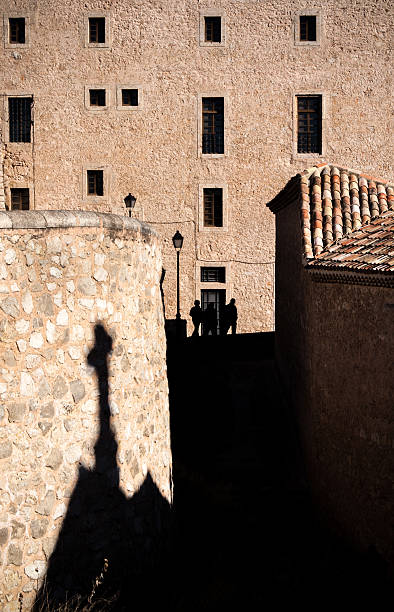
210	320
231	316
197	315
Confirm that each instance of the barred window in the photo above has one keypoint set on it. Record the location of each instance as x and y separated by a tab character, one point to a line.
309	124
19	113
213	207
19	199
16	30
213	29
213	125
95	183
97	29
97	97
213	275
129	97
307	27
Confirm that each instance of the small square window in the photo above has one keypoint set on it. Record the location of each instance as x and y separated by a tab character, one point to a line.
19	118
97	97
97	30
308	28
213	275
19	199
17	30
309	124
213	29
129	97
213	207
95	182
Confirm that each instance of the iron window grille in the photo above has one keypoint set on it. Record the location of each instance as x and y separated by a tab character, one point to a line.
213	125
17	34
97	97
309	123
19	113
213	207
308	27
20	199
213	275
213	29
95	182
96	29
129	97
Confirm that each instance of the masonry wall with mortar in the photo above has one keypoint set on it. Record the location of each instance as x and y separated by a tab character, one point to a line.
153	152
60	275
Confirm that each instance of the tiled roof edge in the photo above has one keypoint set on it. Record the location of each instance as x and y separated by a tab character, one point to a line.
348	277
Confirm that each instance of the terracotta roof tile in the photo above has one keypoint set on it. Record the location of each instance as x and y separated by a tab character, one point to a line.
347	218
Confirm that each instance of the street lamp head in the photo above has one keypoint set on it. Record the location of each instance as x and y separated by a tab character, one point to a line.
130	201
177	240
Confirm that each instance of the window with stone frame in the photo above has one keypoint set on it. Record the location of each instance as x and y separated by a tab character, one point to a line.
20	198
95	182
213	125
309	124
129	97
97	97
96	29
307	28
19	119
17	30
213	206
212	29
212	274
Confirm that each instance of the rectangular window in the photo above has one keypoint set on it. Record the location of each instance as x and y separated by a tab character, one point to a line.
307	27
213	207
213	125
218	299
19	199
213	275
96	29
213	29
19	113
16	30
309	124
97	97
95	184
129	97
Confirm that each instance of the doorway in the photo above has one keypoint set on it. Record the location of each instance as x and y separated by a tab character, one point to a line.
217	297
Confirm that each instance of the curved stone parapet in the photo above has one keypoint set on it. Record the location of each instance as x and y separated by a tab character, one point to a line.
85	459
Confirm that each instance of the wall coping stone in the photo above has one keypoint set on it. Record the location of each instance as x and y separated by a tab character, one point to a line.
47	219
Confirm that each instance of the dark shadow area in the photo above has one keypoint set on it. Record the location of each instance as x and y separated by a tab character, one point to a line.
128	537
249	536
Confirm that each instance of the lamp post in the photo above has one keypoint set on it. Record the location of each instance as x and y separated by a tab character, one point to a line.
130	201
177	241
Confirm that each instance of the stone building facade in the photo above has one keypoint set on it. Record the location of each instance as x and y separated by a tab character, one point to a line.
117	91
85	457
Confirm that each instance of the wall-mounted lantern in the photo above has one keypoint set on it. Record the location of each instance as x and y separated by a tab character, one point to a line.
130	201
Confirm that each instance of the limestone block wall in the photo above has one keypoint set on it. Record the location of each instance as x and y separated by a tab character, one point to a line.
83	386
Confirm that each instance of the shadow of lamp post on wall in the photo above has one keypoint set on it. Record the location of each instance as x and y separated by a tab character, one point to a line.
177	241
130	201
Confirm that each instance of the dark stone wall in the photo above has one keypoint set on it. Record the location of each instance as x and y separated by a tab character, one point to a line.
334	348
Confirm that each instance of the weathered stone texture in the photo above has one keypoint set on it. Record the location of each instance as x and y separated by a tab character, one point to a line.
48	392
154	151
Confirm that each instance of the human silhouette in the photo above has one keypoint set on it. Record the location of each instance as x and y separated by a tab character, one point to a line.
197	315
210	320
230	317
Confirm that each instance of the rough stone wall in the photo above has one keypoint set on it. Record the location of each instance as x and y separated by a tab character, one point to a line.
61	274
349	430
334	348
153	152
